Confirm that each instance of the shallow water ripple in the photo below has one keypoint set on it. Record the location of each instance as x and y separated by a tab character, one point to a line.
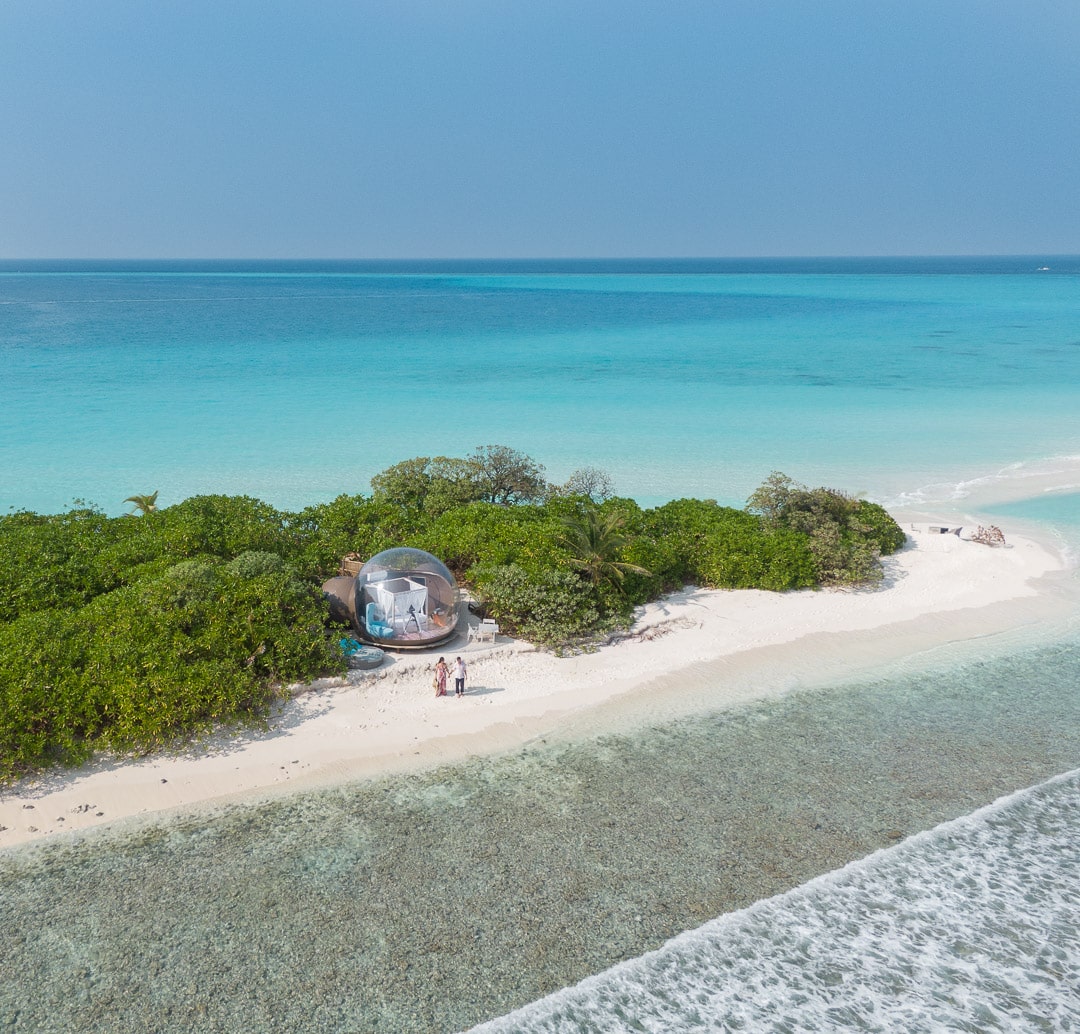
974	926
436	901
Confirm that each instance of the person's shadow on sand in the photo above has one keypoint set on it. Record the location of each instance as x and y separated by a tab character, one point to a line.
483	691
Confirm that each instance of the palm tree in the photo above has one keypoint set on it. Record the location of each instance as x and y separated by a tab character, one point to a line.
143	503
594	540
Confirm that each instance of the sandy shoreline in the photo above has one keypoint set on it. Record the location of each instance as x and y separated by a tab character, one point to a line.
695	649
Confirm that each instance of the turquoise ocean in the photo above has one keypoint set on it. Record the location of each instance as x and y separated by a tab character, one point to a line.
296	382
831	860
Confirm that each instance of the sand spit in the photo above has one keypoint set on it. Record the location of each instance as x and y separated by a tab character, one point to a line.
695	649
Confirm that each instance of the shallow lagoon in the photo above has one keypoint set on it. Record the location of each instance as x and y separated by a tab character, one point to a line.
433	902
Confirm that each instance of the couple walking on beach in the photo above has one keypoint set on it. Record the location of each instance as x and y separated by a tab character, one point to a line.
442	672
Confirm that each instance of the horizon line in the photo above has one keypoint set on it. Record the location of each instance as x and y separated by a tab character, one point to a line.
549	258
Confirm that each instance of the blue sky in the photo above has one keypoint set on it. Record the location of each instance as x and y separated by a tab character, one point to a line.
488	128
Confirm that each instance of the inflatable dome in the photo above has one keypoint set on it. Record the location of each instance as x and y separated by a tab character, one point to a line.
406	599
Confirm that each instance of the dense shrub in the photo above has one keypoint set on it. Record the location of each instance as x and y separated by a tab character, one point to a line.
699	542
350	524
554	608
50	561
877	527
205	642
740	558
220	525
485	533
44	710
846	536
129	632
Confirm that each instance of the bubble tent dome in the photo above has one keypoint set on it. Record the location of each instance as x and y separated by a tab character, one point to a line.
406	599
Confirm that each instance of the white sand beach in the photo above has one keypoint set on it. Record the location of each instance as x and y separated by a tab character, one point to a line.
694	650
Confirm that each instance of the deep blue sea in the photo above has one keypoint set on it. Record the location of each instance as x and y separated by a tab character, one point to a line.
945	385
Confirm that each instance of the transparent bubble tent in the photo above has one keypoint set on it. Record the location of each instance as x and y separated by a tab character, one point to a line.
406	599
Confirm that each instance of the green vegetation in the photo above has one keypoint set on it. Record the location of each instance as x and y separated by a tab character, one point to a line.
494	474
595	540
129	633
847	536
143	503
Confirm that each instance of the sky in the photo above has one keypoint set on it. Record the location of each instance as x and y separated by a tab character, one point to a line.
562	128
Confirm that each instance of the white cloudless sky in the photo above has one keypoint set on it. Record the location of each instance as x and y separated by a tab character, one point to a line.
486	128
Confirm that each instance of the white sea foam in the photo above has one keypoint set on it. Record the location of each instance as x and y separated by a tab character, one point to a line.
973	926
1046	475
1022	480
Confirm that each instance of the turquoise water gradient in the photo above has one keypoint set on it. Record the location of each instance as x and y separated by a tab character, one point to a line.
1062	511
439	900
295	383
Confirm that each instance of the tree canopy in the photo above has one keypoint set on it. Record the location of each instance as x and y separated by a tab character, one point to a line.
592	482
493	473
847	536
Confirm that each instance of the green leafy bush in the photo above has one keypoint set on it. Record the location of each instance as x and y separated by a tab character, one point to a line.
846	536
255	563
877	527
50	561
325	533
126	633
486	533
174	649
554	608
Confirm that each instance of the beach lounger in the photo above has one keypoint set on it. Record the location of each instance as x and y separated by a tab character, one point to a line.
375	625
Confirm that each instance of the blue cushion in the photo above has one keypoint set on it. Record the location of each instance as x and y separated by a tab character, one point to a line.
374	625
